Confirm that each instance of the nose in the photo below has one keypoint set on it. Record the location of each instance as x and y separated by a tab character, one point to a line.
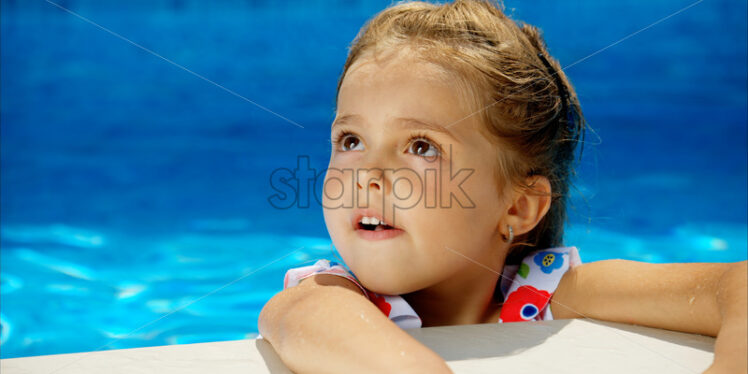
373	178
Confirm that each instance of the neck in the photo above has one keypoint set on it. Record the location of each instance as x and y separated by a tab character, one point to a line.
464	298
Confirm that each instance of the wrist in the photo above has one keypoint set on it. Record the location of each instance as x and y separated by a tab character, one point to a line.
732	294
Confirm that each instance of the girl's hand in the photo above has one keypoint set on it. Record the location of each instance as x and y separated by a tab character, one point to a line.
731	348
326	325
702	298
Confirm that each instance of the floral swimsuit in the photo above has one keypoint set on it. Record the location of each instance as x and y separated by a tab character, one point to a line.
527	288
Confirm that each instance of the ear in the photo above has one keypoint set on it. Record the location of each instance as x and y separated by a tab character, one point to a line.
528	206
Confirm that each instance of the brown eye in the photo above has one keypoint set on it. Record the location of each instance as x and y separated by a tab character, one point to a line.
423	148
350	142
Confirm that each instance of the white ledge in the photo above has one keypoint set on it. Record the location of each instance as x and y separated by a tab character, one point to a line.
560	346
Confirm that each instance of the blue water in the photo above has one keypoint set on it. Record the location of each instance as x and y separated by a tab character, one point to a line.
134	194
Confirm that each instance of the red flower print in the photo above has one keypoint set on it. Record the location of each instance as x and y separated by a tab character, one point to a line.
524	304
380	302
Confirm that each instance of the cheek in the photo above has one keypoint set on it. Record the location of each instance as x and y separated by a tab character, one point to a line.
461	207
337	188
408	187
483	193
337	199
333	189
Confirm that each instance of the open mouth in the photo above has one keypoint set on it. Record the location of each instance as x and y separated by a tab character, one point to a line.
372	224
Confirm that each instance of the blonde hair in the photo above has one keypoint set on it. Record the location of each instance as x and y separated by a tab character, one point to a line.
517	95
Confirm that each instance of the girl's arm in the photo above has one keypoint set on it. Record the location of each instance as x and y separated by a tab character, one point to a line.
702	298
326	325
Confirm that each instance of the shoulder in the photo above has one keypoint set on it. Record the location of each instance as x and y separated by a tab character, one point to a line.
548	265
535	281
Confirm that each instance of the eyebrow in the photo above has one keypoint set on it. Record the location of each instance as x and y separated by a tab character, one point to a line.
407	123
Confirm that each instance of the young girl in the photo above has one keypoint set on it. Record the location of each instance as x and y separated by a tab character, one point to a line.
453	140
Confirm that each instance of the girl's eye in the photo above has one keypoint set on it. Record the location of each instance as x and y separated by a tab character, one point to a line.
423	147
350	142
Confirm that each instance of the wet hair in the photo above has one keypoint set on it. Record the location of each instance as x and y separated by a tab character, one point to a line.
525	101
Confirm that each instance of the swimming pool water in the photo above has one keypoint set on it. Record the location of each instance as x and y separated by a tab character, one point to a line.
134	195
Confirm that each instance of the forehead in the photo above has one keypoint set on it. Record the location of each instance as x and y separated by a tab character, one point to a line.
400	84
378	91
399	62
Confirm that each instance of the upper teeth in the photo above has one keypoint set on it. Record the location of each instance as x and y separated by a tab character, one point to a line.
371	221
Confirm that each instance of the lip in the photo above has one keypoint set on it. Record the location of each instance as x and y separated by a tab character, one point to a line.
373	235
379	235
